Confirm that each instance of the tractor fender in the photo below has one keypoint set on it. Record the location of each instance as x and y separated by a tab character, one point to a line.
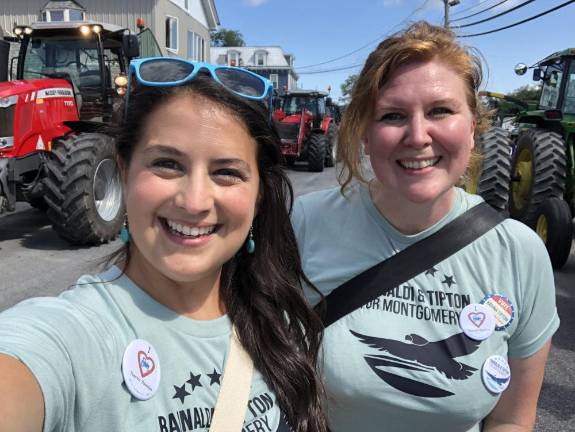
325	124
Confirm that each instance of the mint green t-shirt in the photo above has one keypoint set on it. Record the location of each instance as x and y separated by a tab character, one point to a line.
401	362
74	345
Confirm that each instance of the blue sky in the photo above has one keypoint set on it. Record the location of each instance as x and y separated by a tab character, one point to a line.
317	31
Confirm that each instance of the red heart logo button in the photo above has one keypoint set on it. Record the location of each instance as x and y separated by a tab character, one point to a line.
146	364
476	318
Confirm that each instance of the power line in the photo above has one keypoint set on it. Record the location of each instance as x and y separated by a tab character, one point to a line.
496	16
481	11
459	12
334	69
378	39
522	21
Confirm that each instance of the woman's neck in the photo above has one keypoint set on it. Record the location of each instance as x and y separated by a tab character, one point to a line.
199	299
406	216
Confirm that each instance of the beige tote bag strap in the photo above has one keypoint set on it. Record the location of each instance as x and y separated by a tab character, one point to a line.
230	410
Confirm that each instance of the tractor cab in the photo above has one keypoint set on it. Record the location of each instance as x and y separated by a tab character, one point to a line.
557	75
90	56
312	101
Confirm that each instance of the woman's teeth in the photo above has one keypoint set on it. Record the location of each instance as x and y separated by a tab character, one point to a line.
419	164
190	231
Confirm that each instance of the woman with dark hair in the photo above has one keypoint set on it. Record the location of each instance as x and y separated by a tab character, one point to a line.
208	281
462	345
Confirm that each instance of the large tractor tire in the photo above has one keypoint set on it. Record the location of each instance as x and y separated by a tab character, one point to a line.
490	176
331	138
316	148
83	189
538	172
555	227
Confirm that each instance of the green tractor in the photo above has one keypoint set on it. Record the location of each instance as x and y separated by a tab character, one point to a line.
541	191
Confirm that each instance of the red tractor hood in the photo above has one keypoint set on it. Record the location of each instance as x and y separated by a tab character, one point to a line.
11	88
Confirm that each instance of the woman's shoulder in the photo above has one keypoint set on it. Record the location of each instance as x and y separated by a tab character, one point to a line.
332	199
83	307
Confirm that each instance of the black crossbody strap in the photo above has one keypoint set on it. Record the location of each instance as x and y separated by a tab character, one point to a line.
409	262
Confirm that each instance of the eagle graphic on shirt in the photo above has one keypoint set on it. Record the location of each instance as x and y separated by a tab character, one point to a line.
417	353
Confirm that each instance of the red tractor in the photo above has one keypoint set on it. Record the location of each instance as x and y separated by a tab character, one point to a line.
56	146
307	128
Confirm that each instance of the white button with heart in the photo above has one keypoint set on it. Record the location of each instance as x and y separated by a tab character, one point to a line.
141	369
477	321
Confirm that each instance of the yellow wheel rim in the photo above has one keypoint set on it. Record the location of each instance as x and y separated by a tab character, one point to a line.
523	175
541	228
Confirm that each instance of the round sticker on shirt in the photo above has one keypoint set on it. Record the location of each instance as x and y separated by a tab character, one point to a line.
141	369
477	321
496	374
502	310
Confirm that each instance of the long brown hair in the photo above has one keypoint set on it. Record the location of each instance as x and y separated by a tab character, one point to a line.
262	292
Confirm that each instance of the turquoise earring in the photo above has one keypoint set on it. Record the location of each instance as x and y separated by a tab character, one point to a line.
125	231
251	244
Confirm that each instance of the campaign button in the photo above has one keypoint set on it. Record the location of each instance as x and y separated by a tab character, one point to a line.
141	369
477	321
496	374
502	309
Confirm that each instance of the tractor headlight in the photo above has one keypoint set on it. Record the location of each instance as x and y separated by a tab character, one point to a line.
121	81
85	30
8	101
96	29
18	31
28	30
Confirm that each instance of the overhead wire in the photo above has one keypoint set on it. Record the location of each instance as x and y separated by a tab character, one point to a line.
480	12
460	11
520	22
494	16
378	39
332	70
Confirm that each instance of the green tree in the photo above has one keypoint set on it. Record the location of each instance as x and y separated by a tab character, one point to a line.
347	87
527	93
226	38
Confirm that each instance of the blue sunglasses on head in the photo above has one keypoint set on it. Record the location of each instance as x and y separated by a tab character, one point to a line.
173	71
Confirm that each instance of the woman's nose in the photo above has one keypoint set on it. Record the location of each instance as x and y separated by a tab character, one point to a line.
419	131
195	194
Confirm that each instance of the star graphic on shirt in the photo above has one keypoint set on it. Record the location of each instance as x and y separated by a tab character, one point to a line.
194	381
449	281
214	377
181	393
431	271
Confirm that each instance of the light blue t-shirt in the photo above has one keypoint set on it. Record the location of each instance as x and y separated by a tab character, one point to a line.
74	345
401	362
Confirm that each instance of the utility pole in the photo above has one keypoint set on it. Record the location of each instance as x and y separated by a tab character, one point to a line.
446	5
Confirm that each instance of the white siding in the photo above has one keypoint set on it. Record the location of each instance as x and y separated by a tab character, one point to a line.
197	11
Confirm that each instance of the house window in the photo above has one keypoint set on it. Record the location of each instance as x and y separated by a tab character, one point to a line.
275	80
195	46
260	59
172	34
56	15
76	15
233	58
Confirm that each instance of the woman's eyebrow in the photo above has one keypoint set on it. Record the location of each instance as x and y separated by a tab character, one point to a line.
233	161
162	148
